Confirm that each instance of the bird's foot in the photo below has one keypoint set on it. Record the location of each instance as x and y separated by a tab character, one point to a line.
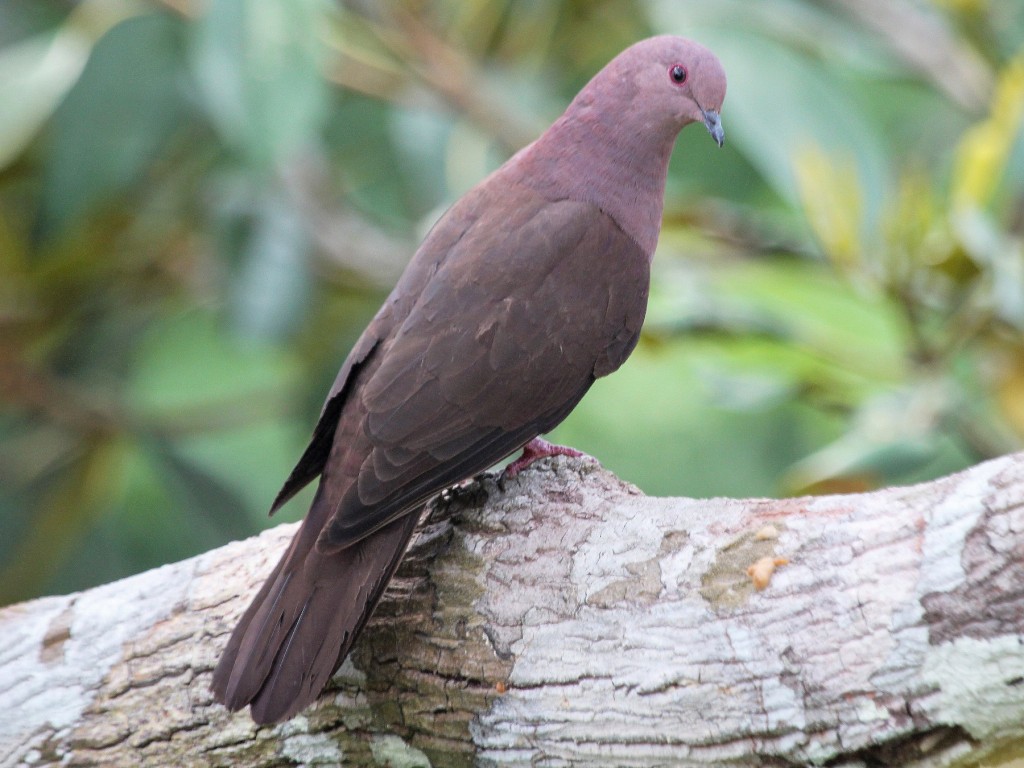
539	448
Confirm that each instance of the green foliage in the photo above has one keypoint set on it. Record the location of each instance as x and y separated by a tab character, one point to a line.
110	129
202	203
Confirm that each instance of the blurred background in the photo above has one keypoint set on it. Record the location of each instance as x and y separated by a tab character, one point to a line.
202	202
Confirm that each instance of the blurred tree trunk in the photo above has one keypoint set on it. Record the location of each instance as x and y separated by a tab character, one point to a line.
567	619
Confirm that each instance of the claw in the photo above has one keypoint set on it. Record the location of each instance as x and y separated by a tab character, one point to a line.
539	448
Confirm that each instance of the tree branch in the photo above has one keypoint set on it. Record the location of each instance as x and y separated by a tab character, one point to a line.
567	619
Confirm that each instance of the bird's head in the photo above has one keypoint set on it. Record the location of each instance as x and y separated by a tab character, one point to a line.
667	82
611	146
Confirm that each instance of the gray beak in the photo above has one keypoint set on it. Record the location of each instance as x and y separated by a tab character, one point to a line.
714	126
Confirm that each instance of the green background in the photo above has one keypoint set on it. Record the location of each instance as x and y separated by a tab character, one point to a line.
202	203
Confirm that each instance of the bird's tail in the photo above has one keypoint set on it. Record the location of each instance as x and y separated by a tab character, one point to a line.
304	620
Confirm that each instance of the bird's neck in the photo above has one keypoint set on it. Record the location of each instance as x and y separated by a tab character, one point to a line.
615	162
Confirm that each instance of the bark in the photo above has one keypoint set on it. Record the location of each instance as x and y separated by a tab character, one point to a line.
566	619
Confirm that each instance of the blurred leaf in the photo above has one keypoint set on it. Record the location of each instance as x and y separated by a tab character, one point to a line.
804	306
651	425
780	101
915	233
225	408
1001	256
111	127
73	504
271	289
811	27
983	151
833	204
34	76
734	391
23	19
894	435
1010	392
188	361
165	506
198	491
14	258
259	66
421	138
359	141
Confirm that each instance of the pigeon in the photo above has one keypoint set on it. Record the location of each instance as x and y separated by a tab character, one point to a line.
529	288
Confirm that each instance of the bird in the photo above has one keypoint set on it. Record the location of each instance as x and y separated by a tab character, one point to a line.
529	288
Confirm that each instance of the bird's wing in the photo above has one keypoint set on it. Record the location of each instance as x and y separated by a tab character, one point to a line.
311	463
511	329
442	240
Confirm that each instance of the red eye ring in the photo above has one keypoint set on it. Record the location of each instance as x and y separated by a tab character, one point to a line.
677	74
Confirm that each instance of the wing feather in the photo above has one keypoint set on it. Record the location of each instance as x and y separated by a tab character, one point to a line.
479	367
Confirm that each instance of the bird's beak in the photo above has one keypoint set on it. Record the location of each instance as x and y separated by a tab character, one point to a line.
714	126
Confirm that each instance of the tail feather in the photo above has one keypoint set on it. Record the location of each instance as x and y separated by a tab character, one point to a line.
302	624
226	683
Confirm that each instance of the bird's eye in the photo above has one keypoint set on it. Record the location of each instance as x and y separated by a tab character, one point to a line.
678	73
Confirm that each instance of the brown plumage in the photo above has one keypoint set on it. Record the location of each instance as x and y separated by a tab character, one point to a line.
529	288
